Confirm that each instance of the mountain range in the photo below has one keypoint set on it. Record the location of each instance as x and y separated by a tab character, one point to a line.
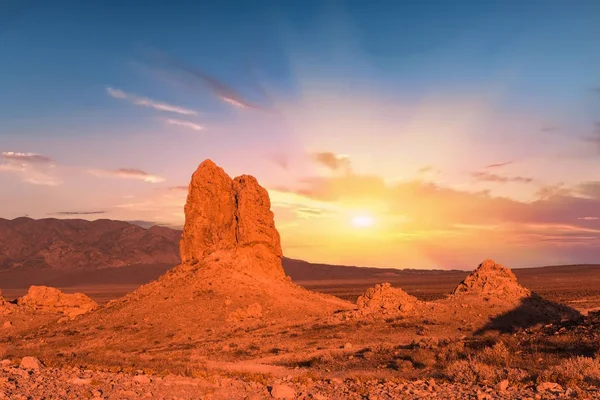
71	252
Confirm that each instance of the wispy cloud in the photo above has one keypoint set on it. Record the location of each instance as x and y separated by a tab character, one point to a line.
146	102
588	218
219	89
488	177
34	168
128	173
498	165
178	188
549	191
28	158
185	124
78	212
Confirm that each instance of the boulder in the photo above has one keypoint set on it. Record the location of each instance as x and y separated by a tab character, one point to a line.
31	363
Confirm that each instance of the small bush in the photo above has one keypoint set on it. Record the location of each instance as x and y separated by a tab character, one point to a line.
496	355
469	371
574	371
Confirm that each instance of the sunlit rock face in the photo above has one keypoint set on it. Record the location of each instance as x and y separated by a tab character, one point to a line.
230	214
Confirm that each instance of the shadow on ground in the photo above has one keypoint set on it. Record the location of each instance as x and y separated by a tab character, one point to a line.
532	311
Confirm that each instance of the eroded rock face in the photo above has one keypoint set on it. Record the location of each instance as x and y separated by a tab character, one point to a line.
385	299
209	214
232	215
52	300
255	223
491	279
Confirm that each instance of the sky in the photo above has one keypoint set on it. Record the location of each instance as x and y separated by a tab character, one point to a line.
388	134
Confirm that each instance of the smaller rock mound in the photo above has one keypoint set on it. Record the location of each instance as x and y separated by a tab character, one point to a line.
491	279
5	306
385	299
52	300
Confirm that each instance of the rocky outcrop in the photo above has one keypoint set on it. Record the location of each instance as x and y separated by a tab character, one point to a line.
224	214
385	299
209	214
52	300
253	215
5	306
494	280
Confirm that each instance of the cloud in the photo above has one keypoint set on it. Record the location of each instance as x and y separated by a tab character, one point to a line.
488	177
146	102
185	124
28	158
335	162
503	164
549	129
595	136
590	189
549	191
178	188
34	168
430	207
219	89
79	212
128	173
144	224
588	218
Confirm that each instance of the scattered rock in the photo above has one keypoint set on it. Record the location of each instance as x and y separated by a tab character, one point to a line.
142	379
253	311
551	387
31	363
81	381
503	385
283	392
7	324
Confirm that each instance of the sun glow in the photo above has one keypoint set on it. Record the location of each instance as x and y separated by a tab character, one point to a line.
362	221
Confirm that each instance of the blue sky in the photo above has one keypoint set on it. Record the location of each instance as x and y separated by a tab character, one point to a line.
403	91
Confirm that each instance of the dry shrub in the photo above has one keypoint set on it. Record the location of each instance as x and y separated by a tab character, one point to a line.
574	372
422	358
496	355
470	371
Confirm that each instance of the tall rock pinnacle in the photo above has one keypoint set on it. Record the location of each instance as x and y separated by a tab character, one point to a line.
226	214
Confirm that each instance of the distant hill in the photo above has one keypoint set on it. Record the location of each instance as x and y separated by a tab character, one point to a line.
71	252
65	245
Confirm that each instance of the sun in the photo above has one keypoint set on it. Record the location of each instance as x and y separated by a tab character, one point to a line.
362	221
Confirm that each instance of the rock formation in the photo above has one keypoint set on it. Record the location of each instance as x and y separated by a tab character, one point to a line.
230	214
52	300
5	306
231	273
491	279
385	299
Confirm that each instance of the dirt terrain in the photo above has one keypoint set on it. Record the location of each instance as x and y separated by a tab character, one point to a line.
228	323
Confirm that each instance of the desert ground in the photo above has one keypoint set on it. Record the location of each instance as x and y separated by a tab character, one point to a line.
230	322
